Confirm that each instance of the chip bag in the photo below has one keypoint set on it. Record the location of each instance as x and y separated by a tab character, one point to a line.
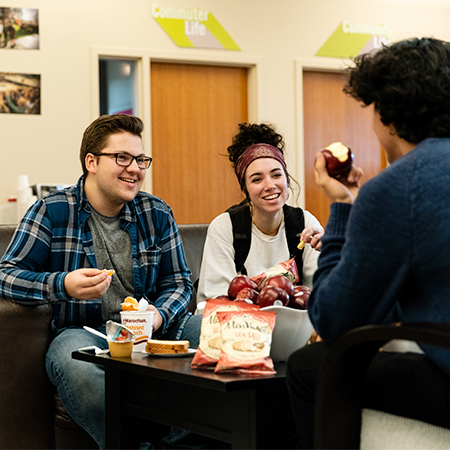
288	269
246	341
208	351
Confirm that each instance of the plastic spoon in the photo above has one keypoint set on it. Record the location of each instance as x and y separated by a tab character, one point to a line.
93	331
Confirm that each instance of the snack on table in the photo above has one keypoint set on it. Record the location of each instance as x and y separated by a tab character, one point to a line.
155	346
287	268
208	352
120	339
246	341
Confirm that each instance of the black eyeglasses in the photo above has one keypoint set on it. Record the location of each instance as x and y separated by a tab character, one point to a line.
125	160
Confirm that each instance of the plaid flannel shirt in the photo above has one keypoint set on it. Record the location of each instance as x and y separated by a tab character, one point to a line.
54	238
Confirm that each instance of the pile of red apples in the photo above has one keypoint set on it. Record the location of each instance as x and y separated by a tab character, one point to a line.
274	291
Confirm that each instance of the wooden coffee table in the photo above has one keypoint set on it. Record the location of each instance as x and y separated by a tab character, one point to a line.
246	411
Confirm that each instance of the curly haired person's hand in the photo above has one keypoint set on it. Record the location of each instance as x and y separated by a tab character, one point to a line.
338	191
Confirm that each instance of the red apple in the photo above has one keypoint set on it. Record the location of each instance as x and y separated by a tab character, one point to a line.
272	295
223	297
339	159
240	282
247	294
299	300
282	282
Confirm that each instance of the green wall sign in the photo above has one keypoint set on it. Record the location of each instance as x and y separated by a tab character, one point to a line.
193	27
351	39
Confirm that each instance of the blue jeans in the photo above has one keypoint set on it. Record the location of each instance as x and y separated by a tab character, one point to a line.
81	385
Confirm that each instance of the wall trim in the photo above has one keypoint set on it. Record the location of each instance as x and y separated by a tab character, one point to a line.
322	64
145	56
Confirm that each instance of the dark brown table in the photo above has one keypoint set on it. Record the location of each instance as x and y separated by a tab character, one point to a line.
245	411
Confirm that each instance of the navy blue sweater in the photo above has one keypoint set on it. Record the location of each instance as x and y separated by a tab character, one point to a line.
387	257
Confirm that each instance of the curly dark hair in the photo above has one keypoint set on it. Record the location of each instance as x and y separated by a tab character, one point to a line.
253	133
97	133
409	84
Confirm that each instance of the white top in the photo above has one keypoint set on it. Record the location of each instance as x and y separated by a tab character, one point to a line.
218	267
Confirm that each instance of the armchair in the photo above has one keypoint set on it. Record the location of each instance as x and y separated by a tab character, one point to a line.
340	420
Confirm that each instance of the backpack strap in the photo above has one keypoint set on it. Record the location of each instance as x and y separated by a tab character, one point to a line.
241	221
294	222
242	234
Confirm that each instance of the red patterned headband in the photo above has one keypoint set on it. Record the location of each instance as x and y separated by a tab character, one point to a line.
253	152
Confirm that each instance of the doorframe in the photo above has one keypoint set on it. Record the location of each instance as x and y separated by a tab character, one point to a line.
144	57
301	64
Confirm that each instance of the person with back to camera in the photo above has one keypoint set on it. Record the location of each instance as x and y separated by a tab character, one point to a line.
267	230
377	263
65	240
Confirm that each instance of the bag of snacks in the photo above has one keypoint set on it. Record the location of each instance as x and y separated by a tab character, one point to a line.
246	341
288	269
208	351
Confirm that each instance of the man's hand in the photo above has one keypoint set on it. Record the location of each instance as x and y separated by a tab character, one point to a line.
338	191
86	284
157	319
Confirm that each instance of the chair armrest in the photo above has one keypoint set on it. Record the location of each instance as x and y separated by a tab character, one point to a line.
338	403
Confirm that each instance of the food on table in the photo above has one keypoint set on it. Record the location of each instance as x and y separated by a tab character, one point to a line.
299	299
120	339
272	295
339	159
120	349
209	347
287	268
246	341
247	294
155	346
282	282
240	282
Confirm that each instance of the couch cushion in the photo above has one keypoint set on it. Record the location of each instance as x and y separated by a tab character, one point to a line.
25	391
193	237
6	233
385	431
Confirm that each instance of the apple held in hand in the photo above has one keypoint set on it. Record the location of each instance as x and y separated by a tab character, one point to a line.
339	159
247	294
238	283
282	282
299	300
272	295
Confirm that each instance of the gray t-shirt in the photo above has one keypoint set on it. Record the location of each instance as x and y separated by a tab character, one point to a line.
113	251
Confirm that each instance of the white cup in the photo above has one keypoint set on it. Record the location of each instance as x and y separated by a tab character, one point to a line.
141	324
22	182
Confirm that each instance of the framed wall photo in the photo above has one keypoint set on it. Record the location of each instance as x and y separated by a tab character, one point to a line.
19	28
20	93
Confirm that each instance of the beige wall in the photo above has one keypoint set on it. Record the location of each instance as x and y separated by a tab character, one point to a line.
275	37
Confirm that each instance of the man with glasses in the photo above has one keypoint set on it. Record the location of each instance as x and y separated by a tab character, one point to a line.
64	242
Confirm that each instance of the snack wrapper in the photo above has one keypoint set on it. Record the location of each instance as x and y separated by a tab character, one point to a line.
118	333
287	268
246	341
208	352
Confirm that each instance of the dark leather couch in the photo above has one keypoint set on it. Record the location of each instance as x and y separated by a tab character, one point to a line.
31	415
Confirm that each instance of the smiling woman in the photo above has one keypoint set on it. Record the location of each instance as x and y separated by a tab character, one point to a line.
263	230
